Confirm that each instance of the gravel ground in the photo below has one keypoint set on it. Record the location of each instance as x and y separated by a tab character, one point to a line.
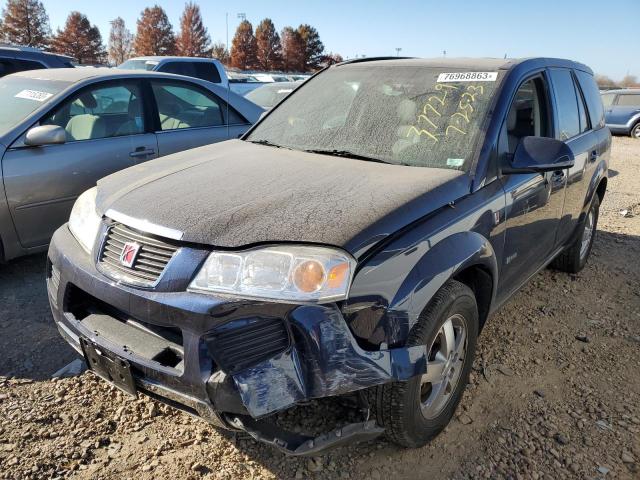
555	391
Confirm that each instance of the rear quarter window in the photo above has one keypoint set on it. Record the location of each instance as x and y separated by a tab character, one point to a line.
629	100
207	71
593	98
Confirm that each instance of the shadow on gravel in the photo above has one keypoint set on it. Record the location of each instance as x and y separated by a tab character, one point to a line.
30	344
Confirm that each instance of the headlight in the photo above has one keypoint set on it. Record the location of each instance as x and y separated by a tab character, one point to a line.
84	222
281	273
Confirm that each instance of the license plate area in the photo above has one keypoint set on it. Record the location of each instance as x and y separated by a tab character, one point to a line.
109	367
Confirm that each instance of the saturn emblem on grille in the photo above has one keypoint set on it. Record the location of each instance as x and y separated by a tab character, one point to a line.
129	254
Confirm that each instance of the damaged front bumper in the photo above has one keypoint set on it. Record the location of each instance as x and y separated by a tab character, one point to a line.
231	361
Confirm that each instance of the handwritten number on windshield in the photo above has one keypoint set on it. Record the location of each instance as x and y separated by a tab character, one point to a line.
435	108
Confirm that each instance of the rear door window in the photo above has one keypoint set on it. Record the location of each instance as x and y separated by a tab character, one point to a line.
186	106
582	110
593	98
629	100
566	104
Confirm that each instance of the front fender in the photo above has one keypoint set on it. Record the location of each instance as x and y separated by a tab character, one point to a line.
385	306
444	261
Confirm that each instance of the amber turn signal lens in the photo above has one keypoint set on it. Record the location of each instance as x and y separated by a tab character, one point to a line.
309	276
338	275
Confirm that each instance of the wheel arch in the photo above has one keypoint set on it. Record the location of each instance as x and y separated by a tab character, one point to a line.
602	188
470	259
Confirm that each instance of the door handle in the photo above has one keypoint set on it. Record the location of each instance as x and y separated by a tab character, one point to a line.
142	152
593	156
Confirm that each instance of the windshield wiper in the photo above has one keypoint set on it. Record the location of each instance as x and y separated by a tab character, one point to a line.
267	143
346	154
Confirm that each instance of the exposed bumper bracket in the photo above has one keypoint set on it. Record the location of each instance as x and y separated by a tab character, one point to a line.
302	445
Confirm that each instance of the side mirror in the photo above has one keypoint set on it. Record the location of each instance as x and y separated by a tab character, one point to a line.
45	135
540	154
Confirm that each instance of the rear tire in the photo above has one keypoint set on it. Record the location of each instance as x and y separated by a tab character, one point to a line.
635	131
575	256
415	411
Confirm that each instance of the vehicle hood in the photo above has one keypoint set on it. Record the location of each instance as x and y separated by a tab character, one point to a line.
236	193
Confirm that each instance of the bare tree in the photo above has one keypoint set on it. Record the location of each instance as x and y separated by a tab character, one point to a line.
120	42
605	82
155	33
25	22
193	39
629	81
219	51
79	39
331	59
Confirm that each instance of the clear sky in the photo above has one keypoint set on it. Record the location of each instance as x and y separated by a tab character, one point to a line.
604	35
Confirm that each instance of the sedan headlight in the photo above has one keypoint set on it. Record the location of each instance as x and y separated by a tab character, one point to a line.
84	222
280	273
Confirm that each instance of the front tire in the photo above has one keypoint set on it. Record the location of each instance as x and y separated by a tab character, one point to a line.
635	131
575	256
415	411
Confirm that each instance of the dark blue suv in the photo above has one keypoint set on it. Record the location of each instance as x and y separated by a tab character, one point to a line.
622	111
352	244
15	58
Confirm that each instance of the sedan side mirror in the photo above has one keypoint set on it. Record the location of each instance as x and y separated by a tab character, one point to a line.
45	135
540	154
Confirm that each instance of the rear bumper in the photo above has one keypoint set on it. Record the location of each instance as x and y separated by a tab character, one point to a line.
180	346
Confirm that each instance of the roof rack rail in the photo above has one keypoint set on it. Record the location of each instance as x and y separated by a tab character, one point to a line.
371	59
20	48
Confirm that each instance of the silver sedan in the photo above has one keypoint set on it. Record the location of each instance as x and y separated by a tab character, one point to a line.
63	129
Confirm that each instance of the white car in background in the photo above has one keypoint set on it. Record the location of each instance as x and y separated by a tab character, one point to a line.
209	69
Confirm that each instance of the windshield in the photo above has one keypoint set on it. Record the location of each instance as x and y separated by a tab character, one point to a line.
21	96
409	115
138	65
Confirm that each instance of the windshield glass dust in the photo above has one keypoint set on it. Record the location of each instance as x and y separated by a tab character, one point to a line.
408	115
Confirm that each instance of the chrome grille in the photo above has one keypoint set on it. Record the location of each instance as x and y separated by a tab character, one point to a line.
150	262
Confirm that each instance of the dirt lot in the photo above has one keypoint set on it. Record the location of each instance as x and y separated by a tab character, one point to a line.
555	392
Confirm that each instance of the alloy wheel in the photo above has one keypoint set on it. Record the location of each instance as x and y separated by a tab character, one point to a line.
587	234
446	361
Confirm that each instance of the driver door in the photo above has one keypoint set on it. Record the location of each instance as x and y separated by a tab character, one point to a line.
105	129
534	201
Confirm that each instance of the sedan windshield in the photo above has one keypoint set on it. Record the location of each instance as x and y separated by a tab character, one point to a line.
21	96
408	115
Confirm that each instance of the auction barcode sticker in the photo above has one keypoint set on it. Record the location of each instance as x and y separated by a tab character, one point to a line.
34	95
468	77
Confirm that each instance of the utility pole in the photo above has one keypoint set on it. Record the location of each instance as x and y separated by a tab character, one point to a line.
227	21
242	16
398	50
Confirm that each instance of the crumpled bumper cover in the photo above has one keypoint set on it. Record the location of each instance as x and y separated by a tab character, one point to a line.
323	360
327	362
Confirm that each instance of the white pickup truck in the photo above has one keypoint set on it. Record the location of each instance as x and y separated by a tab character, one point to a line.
208	69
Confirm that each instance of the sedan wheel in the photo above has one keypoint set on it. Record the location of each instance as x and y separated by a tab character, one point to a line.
635	131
